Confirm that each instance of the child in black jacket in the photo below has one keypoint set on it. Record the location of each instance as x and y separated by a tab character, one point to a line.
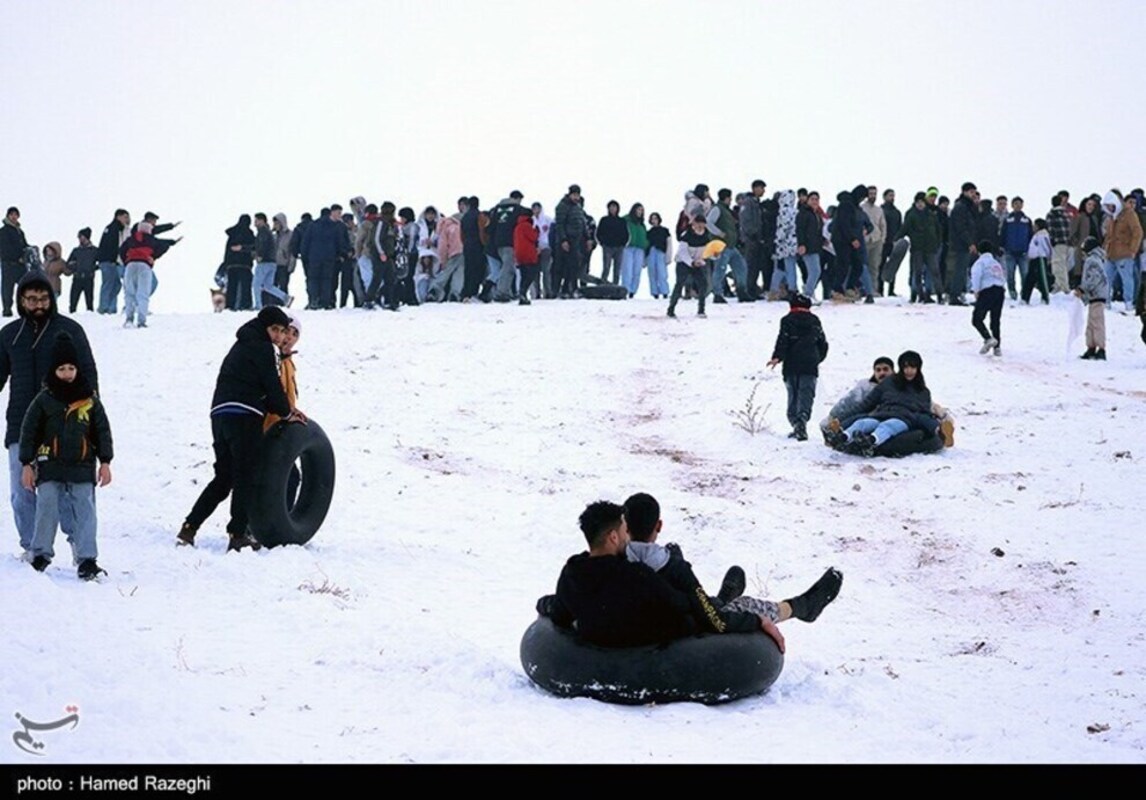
65	431
801	345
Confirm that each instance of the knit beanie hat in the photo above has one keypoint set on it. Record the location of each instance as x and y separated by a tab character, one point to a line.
273	315
295	323
64	352
1090	244
798	300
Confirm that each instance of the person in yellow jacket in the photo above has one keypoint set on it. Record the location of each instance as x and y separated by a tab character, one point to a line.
287	368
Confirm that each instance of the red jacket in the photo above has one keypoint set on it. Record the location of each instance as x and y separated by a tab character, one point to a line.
525	242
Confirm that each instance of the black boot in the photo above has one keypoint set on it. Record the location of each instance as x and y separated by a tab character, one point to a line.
732	586
1089	354
808	606
89	570
1100	354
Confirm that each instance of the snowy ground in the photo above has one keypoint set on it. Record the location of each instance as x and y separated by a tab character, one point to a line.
468	440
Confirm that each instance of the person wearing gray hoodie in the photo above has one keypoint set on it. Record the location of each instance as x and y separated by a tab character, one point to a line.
1094	290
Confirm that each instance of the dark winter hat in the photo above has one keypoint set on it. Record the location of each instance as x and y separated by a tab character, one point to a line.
968	187
883	360
85	232
273	315
574	189
1090	244
516	194
910	358
64	352
798	300
151	216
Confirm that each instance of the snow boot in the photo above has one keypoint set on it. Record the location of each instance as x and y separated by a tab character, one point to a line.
732	586
1100	354
186	535
89	570
240	541
40	563
807	607
1089	354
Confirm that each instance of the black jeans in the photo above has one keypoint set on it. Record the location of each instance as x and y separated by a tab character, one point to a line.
698	276
238	288
236	440
571	266
83	285
989	301
10	274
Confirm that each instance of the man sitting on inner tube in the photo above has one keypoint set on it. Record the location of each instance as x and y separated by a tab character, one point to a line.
615	602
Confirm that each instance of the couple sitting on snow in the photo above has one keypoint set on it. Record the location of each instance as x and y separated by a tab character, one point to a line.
884	406
628	591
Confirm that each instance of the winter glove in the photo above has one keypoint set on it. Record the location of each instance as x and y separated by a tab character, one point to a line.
546	604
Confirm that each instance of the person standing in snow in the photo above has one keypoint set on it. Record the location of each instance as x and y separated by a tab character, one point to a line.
801	345
1122	240
247	388
13	246
1094	291
691	266
988	284
26	358
64	432
82	268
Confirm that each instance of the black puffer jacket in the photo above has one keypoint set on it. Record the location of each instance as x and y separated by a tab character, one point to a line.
248	379
26	354
892	399
801	344
63	437
240	235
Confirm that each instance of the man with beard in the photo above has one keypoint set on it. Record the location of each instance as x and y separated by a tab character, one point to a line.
26	358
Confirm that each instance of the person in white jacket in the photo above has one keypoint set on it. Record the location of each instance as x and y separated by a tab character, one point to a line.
989	285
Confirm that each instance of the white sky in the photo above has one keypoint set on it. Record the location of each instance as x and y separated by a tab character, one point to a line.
205	110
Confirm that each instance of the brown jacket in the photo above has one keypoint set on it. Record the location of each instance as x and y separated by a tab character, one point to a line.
55	265
1124	237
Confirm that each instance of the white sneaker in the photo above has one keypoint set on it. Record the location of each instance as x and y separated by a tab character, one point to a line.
987	345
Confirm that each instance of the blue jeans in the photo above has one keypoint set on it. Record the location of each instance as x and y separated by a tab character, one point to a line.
788	275
812	263
1010	261
632	262
882	430
1123	269
730	257
658	272
137	291
69	506
366	274
265	282
23	501
494	272
109	287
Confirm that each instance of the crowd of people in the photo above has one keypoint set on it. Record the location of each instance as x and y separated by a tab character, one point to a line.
745	245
